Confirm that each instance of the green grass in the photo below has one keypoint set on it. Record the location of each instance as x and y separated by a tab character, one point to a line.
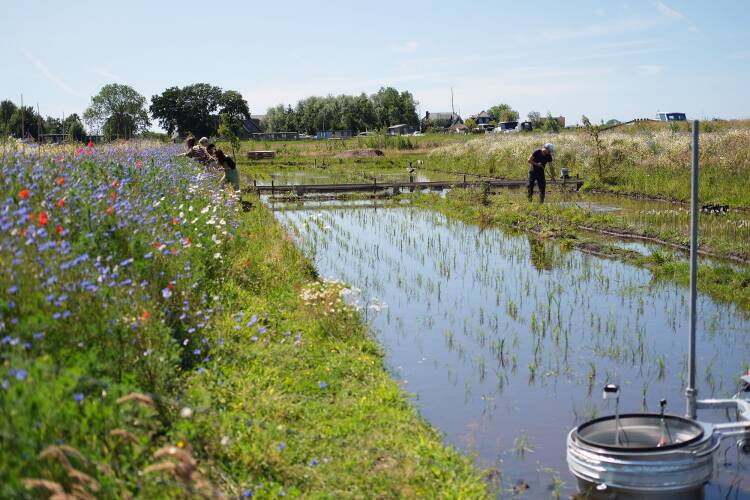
364	434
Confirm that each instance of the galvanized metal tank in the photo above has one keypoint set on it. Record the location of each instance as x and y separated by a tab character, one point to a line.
650	457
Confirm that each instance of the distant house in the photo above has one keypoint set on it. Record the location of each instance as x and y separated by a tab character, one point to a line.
400	129
441	120
671	117
458	128
252	126
334	134
483	118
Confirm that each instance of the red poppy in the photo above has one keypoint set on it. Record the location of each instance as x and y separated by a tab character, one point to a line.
139	163
59	229
114	183
24	194
61	202
174	221
110	210
43	219
145	315
90	144
60	181
113	195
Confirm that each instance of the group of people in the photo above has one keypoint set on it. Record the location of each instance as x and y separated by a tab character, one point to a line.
207	154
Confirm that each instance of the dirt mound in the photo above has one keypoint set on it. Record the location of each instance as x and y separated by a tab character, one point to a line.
360	153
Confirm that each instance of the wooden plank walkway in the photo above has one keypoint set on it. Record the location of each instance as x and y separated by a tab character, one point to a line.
401	186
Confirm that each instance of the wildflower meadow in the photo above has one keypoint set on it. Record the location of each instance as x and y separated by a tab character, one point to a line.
155	341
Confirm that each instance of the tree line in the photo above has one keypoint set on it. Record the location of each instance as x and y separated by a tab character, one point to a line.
119	111
17	121
380	110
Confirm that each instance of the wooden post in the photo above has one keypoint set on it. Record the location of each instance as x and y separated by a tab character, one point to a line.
272	189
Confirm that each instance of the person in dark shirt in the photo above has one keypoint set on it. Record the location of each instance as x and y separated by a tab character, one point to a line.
537	161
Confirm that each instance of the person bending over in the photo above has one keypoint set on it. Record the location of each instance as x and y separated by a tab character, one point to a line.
537	161
231	175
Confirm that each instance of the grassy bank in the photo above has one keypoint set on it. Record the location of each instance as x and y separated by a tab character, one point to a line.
159	342
512	211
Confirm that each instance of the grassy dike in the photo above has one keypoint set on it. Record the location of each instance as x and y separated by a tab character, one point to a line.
722	282
309	408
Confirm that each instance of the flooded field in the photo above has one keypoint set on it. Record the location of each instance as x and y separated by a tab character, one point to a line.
505	341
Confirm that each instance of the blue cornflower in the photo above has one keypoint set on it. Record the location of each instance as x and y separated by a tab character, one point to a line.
166	293
261	329
322	385
281	446
78	396
21	374
247	494
314	462
12	289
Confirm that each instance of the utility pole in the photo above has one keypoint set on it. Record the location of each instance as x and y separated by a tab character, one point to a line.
453	111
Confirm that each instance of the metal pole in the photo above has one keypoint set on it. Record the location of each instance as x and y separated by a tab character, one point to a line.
691	392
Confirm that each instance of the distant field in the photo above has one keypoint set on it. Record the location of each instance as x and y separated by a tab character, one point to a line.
650	159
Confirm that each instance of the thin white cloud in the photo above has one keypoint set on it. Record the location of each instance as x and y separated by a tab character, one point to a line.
407	47
669	12
46	73
674	14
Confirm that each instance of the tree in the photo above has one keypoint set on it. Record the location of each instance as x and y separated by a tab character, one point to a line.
550	124
23	118
75	130
535	117
602	163
226	133
193	109
7	108
166	109
235	107
503	113
471	123
118	110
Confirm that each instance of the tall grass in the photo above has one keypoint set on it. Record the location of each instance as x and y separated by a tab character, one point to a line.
644	161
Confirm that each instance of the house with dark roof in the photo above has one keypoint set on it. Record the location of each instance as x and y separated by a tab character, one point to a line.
440	120
483	118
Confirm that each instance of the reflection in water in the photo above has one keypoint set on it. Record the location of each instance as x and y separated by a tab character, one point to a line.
505	341
541	254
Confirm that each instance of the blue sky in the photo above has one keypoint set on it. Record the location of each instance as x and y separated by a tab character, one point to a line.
603	59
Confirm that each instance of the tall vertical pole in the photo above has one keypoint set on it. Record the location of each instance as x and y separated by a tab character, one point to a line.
691	392
23	129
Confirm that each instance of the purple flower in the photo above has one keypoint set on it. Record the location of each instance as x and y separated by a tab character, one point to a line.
12	289
166	293
322	385
21	374
261	329
78	396
201	370
247	494
314	462
281	446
